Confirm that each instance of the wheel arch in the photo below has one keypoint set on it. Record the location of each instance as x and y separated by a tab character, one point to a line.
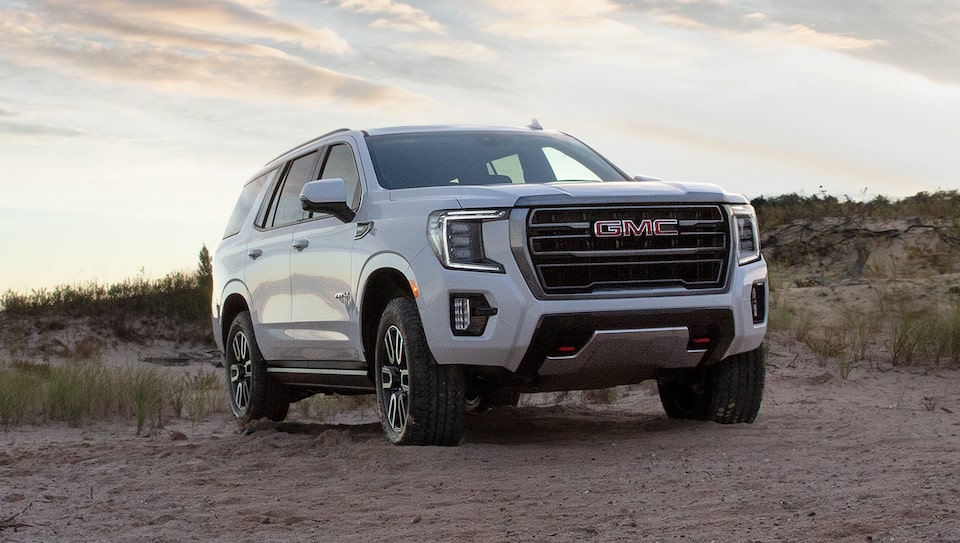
233	305
381	286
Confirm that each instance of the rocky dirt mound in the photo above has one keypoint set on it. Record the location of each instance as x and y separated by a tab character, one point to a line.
112	339
843	248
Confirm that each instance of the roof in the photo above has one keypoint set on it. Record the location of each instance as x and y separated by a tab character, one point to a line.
412	129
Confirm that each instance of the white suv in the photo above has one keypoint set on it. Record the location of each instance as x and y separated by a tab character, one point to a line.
443	268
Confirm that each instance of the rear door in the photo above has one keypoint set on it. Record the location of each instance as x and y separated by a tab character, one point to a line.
267	271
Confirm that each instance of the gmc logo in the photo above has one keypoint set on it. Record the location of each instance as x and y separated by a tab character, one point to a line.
627	228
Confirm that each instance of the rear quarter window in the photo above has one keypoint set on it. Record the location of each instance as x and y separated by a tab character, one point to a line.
248	197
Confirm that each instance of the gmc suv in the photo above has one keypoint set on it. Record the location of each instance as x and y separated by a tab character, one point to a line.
452	267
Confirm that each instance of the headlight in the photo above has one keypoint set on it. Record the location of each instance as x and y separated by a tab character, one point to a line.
748	237
457	239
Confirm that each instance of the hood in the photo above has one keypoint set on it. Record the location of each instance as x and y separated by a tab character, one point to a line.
561	194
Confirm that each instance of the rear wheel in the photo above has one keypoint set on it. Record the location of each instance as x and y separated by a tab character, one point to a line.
253	394
730	393
478	402
683	400
420	402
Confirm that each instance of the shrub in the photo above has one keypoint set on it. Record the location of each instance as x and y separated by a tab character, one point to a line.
178	295
787	208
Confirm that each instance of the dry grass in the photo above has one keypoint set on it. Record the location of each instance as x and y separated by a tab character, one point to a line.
78	393
601	396
899	328
325	406
827	342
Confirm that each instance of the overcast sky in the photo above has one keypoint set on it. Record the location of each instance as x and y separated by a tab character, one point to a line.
128	127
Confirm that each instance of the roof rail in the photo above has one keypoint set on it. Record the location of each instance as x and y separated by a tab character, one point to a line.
306	143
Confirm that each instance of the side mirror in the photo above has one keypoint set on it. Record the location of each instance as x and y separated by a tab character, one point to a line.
327	196
646	178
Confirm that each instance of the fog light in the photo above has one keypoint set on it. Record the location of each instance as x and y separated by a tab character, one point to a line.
758	302
461	314
469	314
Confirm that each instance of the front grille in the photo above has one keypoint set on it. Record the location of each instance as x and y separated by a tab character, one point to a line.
690	252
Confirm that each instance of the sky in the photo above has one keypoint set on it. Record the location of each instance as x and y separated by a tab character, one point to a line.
127	127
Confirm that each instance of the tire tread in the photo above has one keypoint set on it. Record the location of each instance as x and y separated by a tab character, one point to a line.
737	388
436	396
268	399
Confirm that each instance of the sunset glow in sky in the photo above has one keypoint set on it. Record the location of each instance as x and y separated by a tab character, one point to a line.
128	127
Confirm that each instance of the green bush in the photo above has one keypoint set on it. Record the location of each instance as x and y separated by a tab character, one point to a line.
179	295
787	208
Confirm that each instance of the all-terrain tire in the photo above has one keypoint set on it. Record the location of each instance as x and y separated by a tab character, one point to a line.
419	401
736	386
683	400
729	393
480	402
253	393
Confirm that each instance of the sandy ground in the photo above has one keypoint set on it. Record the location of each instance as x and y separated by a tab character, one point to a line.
872	458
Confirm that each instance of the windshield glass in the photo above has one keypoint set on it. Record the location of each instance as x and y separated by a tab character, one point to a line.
484	158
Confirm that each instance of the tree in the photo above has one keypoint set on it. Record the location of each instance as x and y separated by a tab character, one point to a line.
205	271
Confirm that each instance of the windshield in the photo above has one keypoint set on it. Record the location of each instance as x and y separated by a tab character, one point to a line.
484	158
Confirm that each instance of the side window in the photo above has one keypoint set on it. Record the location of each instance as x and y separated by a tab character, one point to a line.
509	166
245	203
288	209
341	163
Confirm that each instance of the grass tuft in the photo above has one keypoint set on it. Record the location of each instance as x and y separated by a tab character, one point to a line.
601	396
827	342
78	393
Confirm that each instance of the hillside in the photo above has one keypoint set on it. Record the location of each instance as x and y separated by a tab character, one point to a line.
856	440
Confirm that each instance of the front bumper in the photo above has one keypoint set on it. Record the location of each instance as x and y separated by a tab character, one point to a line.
627	338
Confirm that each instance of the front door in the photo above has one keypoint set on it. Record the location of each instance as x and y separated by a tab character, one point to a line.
326	320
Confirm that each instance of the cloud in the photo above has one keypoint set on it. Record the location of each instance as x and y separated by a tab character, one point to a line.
804	35
232	19
567	22
12	127
557	9
796	160
220	48
921	37
398	16
455	50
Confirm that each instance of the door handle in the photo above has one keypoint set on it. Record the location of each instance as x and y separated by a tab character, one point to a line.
254	253
301	244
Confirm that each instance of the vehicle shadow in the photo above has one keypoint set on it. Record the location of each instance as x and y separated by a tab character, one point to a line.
522	425
511	425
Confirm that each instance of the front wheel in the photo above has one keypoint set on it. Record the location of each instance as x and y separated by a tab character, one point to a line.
730	393
737	387
420	402
253	394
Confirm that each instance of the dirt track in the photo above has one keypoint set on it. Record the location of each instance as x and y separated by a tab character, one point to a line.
874	458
